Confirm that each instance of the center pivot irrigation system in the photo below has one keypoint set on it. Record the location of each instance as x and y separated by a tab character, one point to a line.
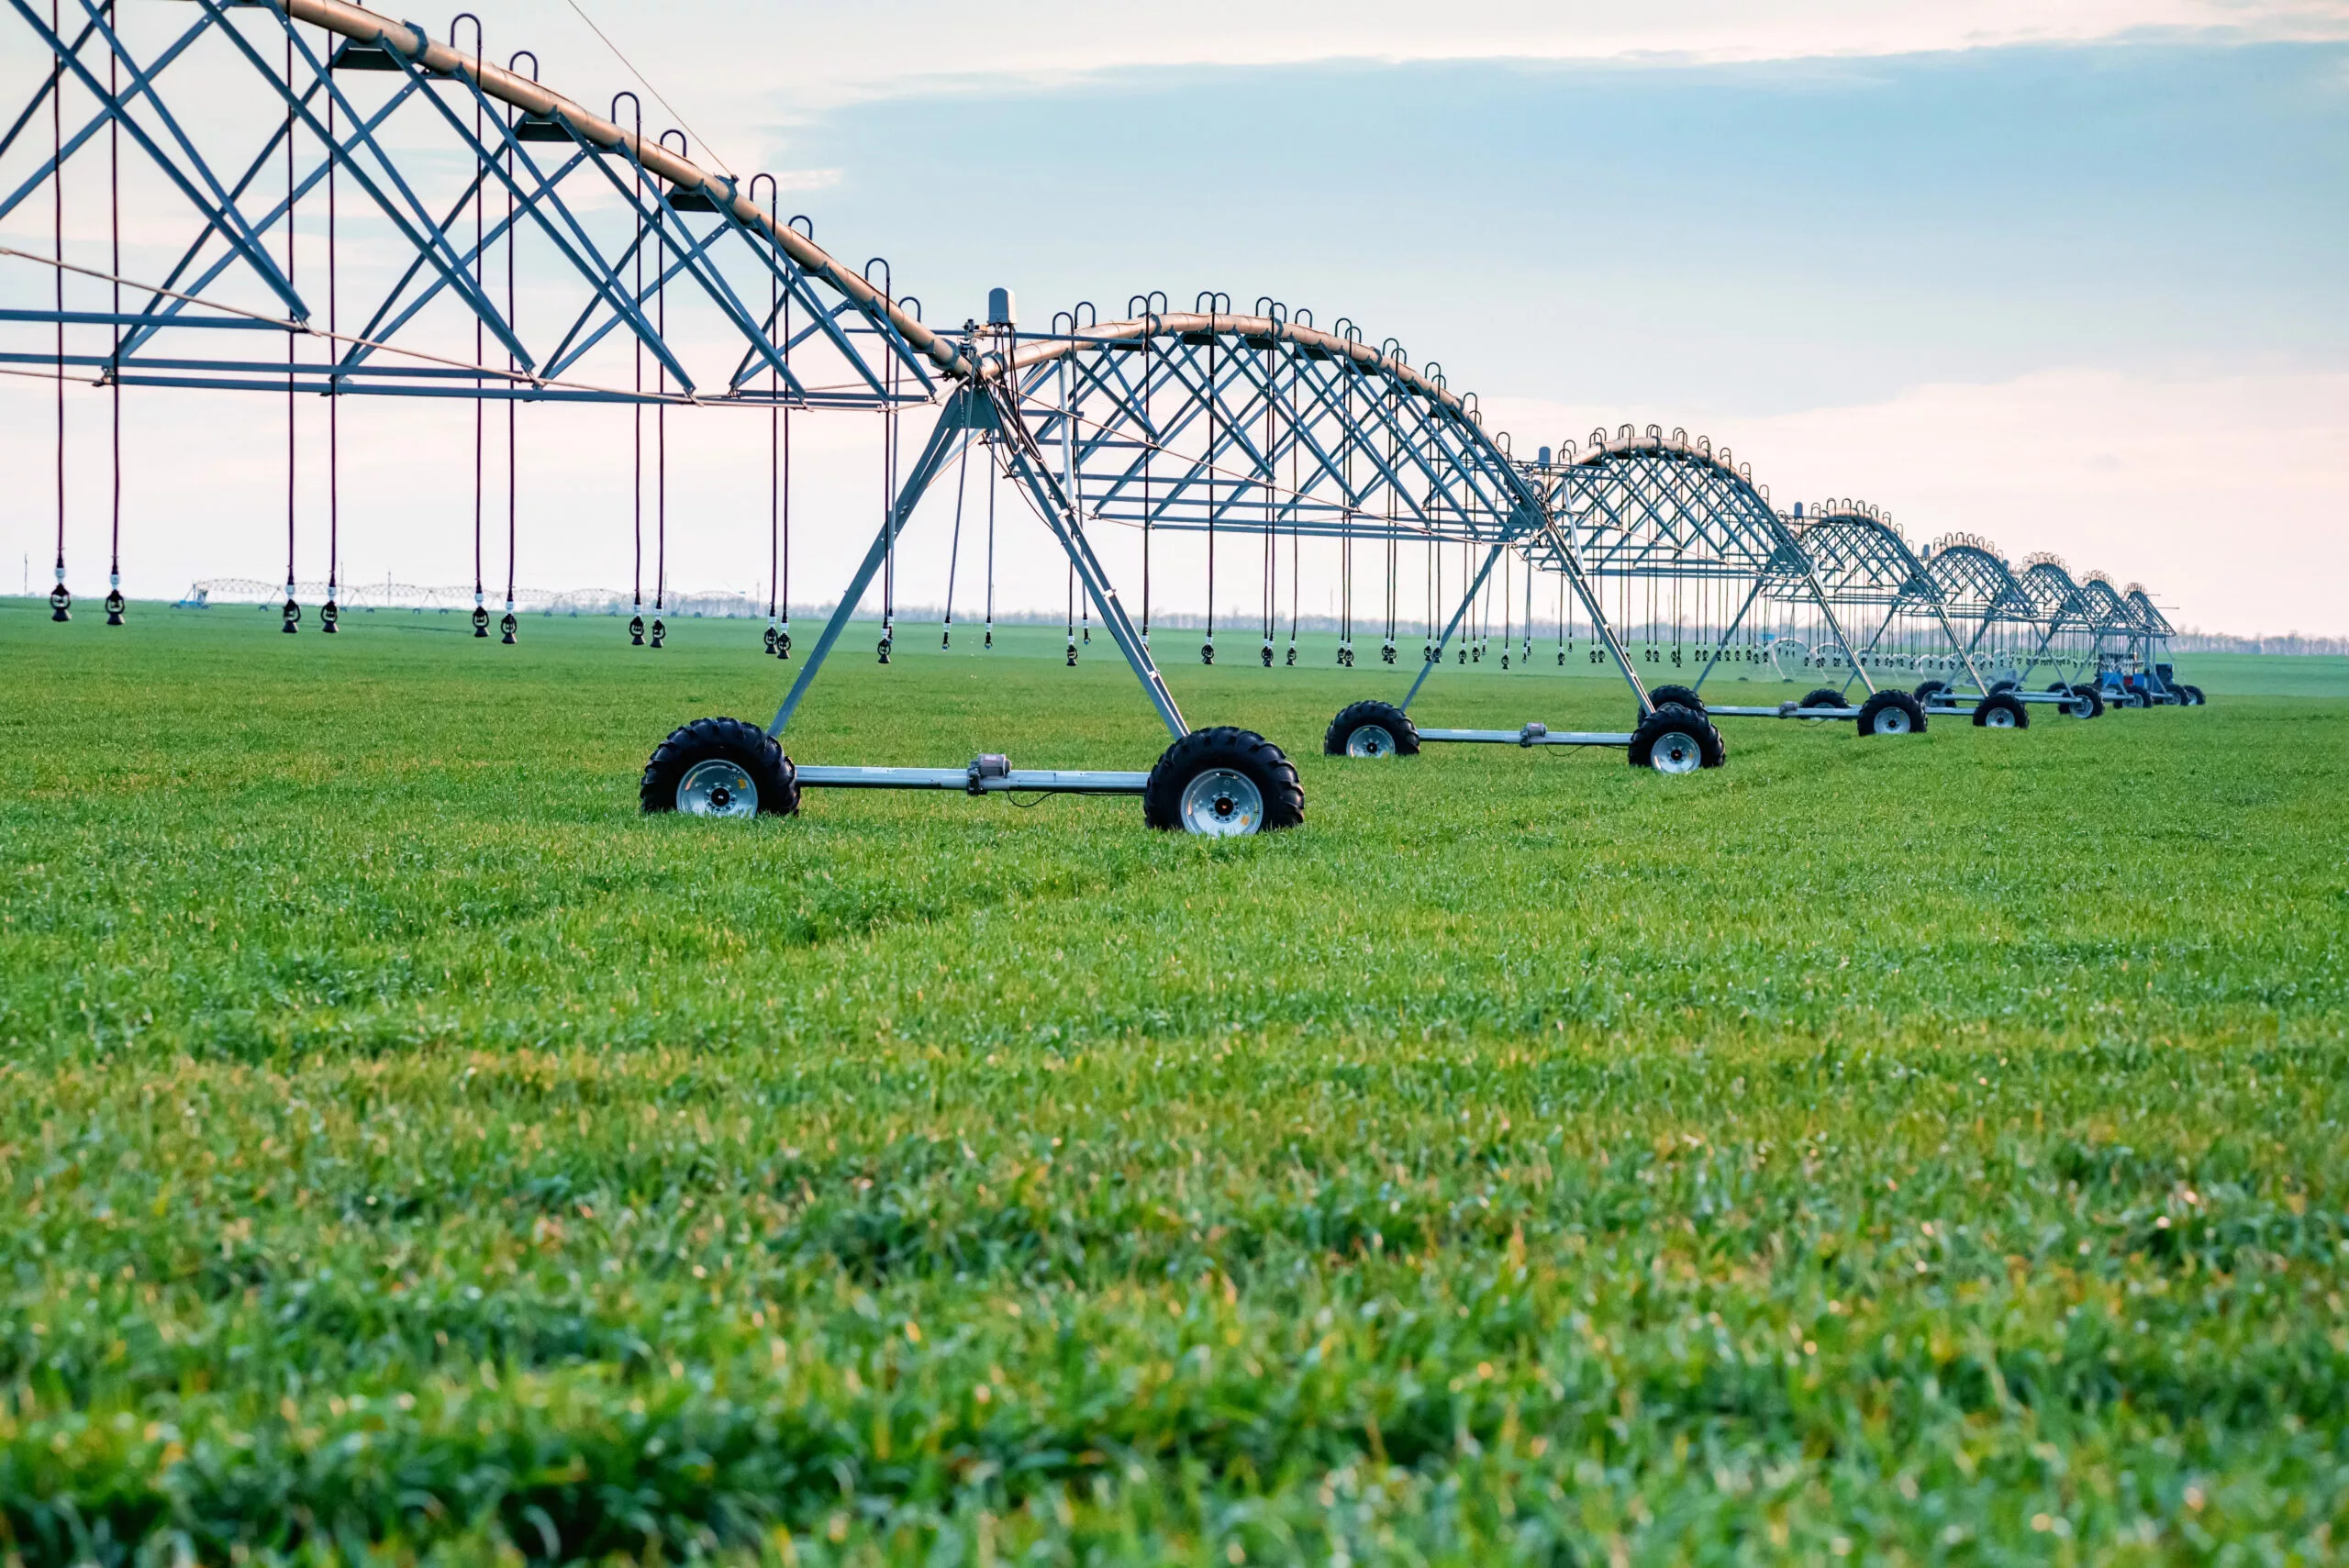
365	209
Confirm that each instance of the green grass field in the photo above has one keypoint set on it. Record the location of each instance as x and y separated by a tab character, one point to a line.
1913	1149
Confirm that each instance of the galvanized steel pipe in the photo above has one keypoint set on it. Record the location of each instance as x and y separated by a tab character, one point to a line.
507	87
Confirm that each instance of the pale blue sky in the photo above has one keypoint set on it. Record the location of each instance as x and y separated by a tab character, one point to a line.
2062	272
1760	236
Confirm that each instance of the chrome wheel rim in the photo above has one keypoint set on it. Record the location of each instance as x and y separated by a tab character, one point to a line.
1999	718
718	787
1675	752
1892	721
2083	708
1222	804
1370	741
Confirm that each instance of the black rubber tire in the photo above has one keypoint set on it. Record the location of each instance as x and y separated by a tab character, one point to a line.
2089	695
737	739
1998	686
1245	752
1872	710
1671	720
1685	695
2194	697
1928	690
1384	714
1824	697
2000	702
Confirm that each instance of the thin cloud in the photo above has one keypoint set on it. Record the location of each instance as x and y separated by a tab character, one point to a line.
822	57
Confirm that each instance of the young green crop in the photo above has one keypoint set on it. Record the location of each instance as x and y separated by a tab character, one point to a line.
1926	1147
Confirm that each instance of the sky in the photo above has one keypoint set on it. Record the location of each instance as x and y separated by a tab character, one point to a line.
2065	275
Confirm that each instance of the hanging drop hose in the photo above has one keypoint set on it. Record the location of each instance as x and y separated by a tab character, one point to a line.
994	461
775	421
1346	544
114	239
661	416
1434	575
509	626
1207	649
1393	558
783	634
292	611
889	521
330	613
480	174
1295	545
1149	446
61	601
954	549
636	408
1268	579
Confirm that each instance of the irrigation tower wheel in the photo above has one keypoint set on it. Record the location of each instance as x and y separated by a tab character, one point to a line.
720	767
1823	696
2085	701
1223	783
1675	740
1683	697
1892	713
2001	710
1370	729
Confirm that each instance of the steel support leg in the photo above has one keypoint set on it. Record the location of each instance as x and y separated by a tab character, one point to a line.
1061	515
963	412
1452	625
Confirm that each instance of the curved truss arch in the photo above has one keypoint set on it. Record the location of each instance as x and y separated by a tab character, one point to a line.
2055	596
1642	504
2104	608
1861	558
1203	419
2148	615
1973	578
445	164
1646	503
1865	562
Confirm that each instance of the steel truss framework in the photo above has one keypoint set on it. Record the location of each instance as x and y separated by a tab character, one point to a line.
1642	506
1250	426
1865	566
627	241
2070	636
1979	592
454	174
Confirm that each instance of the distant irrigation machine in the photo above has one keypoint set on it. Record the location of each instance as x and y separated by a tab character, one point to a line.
515	248
1707	575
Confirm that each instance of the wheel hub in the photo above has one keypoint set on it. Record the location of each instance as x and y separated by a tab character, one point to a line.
1222	803
718	787
1892	721
1370	741
1675	754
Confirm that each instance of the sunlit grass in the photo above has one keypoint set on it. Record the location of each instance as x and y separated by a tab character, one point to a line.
1927	1147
